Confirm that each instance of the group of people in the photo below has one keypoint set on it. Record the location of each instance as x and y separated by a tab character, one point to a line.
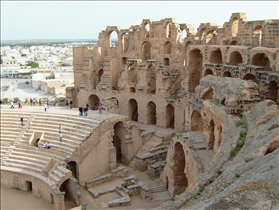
46	145
83	111
67	104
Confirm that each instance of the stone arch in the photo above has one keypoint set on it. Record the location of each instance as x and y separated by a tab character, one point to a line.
151	113
72	166
93	102
210	37
119	140
261	59
99	76
211	136
272	146
169	116
113	38
168	30
235	58
208	72
167	47
195	67
185	52
68	191
133	110
273	91
216	56
250	77
166	61
151	80
234	26
180	180
125	43
196	121
227	74
146	30
146	51
258	36
208	94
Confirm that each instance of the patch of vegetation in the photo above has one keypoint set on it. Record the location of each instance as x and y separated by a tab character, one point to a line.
239	143
237	175
32	64
238	123
200	191
219	172
5	101
172	199
15	100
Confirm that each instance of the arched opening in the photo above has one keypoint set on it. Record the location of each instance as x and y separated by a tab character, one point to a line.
185	52
70	196
93	102
133	110
113	39
251	77
208	94
146	51
223	101
210	37
168	30
183	34
257	36
273	91
72	166
147	28
208	72
261	59
196	121
151	113
167	48
118	140
151	80
234	27
227	74
169	116
202	33
100	74
235	58
211	134
132	90
125	42
216	57
124	60
180	180
195	67
234	42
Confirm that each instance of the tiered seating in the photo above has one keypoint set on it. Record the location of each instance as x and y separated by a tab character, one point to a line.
74	131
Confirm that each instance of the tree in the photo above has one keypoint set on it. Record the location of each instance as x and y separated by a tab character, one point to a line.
32	64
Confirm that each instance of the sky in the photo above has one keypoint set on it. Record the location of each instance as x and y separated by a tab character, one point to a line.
23	20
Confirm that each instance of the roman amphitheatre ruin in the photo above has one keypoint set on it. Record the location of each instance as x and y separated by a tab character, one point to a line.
195	111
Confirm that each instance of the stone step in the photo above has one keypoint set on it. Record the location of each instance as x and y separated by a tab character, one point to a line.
155	189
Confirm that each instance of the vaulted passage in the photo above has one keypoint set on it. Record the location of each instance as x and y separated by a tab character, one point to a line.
151	113
151	80
235	58
208	94
196	121
216	57
93	102
72	166
273	91
227	74
251	77
208	72
146	51
260	59
195	67
169	116
133	110
100	73
118	139
167	48
180	179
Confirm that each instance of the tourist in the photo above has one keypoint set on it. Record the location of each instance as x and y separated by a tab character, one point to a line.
100	108
47	145
85	111
31	101
21	120
60	128
12	105
18	103
80	110
40	101
71	104
45	107
106	109
60	135
67	104
34	101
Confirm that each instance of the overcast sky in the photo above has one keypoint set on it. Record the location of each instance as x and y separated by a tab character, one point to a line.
85	19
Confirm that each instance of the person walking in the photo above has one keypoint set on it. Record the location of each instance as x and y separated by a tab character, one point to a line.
12	105
31	101
67	104
21	120
100	108
71	104
80	110
45	106
18	103
60	135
